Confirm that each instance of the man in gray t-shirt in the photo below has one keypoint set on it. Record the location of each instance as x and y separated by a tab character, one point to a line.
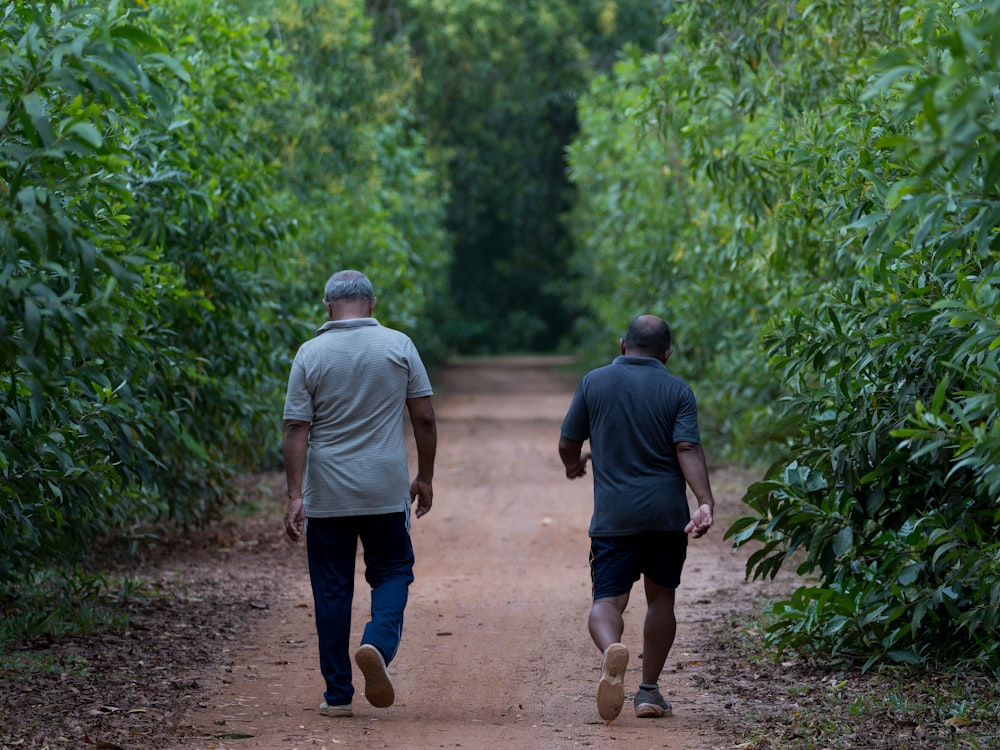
642	424
348	480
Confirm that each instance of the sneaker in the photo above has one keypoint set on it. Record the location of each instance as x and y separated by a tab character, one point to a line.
378	686
649	704
611	690
335	711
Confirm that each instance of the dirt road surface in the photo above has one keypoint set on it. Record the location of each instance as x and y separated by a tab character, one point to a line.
495	650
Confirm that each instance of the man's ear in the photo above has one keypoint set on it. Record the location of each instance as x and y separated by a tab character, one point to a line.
329	309
621	346
372	310
666	355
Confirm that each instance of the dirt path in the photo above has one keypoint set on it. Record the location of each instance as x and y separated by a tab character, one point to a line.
495	650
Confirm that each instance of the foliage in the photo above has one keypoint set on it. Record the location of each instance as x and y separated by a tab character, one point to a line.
204	202
497	91
365	190
160	236
762	169
72	296
891	490
679	186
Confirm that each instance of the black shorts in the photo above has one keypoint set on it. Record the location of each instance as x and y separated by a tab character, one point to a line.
616	562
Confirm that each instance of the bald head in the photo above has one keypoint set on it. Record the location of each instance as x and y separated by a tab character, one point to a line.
647	336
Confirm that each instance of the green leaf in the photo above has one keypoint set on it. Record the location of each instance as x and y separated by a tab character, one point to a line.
34	107
843	541
87	133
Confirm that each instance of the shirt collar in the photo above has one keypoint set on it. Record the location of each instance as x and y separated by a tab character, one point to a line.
349	323
631	359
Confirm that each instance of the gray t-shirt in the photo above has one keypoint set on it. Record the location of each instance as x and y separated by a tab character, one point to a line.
351	384
632	412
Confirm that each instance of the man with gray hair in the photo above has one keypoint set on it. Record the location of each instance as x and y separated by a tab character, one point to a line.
348	480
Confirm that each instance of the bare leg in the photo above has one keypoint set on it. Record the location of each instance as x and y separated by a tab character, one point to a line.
606	623
606	628
658	630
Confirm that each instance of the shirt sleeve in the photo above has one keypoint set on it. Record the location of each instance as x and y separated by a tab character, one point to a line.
418	384
576	425
686	423
298	400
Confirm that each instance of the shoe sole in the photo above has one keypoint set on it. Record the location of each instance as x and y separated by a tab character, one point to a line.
378	686
651	711
611	688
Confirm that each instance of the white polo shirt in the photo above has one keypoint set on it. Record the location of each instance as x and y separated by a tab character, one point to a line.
351	383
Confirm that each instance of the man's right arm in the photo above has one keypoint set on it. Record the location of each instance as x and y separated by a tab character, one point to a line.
294	446
425	434
573	457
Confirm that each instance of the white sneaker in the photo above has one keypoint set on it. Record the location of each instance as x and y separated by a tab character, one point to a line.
333	711
611	688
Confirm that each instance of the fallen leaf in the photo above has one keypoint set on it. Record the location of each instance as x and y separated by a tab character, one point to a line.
958	721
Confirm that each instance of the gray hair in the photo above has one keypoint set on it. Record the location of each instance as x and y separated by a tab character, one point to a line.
349	285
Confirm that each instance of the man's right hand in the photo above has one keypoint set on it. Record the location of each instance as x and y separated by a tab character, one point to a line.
573	472
295	519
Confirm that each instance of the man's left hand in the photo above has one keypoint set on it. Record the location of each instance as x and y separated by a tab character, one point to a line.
701	521
422	491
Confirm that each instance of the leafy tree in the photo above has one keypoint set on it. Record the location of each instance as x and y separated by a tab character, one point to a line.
134	281
678	185
890	489
497	95
366	191
176	183
71	298
822	234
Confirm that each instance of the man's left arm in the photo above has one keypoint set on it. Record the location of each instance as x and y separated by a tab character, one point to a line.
691	458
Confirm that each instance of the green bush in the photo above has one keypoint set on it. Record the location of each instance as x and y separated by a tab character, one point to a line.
889	491
681	182
72	299
164	248
821	233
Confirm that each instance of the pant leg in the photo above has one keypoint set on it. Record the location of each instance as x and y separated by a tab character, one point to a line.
331	547
389	571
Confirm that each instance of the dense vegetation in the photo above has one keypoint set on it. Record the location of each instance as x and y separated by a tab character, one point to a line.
497	98
807	191
827	176
176	183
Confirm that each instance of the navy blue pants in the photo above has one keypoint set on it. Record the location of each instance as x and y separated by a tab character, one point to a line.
331	546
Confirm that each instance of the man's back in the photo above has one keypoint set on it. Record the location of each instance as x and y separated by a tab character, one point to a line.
633	412
351	383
